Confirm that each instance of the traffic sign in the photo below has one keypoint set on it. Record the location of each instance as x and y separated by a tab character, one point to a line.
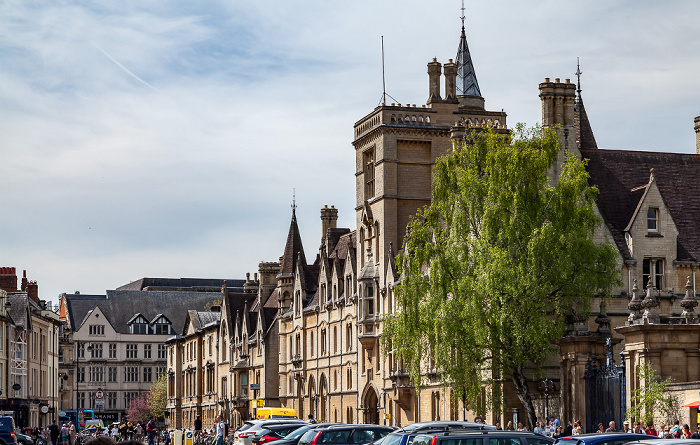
99	394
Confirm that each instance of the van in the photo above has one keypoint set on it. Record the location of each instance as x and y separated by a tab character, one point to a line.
276	413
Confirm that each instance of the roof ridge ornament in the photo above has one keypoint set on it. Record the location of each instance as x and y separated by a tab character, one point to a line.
688	304
635	306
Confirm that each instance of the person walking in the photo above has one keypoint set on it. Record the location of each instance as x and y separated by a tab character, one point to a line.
151	431
611	427
65	434
220	427
71	429
54	432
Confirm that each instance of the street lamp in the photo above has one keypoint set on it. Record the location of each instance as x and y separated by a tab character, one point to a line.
546	385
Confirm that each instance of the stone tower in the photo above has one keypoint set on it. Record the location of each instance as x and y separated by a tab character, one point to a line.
396	146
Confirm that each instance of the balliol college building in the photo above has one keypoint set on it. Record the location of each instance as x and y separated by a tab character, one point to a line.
305	331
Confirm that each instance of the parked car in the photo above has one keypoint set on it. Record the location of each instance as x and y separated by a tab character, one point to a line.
7	431
483	437
244	435
601	439
344	434
293	437
660	441
274	432
444	425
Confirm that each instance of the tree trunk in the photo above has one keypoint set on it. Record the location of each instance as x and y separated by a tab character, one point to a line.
523	392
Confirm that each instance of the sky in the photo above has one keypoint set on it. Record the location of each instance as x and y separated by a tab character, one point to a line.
169	139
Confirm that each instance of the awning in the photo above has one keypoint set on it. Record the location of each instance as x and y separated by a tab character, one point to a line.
692	404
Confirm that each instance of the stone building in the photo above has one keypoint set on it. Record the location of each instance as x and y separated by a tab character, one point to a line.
117	342
29	351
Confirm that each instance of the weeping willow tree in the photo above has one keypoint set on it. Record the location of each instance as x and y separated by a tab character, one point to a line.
490	269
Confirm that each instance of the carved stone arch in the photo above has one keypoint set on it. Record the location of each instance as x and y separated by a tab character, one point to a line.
312	395
323	414
370	403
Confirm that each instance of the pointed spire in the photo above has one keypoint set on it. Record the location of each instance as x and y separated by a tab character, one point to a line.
584	133
466	77
294	249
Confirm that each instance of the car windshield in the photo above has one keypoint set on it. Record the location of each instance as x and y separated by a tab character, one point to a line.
391	439
297	433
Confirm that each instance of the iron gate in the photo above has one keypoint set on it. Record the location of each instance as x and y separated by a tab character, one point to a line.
605	390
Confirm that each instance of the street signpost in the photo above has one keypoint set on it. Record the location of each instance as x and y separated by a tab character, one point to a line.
99	399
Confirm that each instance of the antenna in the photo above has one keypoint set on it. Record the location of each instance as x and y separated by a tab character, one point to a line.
382	101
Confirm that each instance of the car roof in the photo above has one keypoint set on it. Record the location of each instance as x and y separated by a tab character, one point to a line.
591	437
659	441
472	433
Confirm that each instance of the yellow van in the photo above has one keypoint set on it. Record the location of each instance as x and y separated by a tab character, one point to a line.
276	413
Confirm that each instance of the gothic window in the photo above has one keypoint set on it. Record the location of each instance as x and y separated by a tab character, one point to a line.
348	336
368	165
323	342
369	302
335	339
298	350
653	219
311	343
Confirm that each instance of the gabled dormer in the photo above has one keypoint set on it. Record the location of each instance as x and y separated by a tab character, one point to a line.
161	325
651	236
138	324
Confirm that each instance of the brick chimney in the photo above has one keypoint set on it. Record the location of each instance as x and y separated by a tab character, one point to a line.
8	279
697	134
32	290
329	219
24	281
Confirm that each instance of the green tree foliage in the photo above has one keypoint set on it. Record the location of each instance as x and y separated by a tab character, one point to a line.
157	397
491	267
651	400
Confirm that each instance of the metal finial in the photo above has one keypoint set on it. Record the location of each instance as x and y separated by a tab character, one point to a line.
463	17
578	76
294	200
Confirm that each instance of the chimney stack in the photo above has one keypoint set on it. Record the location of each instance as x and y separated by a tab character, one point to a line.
32	290
697	135
450	81
434	69
8	279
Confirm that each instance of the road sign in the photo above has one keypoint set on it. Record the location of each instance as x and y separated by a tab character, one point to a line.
99	394
254	386
45	409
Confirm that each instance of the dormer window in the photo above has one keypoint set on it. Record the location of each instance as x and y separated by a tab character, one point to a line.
162	326
653	219
138	325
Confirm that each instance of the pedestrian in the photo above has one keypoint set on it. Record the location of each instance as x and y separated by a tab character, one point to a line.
498	425
568	431
601	428
115	431
686	432
220	427
651	431
521	427
626	426
509	426
611	427
696	434
71	429
151	431
575	431
676	430
311	418
65	434
54	432
539	428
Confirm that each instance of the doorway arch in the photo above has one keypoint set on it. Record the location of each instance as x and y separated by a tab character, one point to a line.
323	396
300	398
370	405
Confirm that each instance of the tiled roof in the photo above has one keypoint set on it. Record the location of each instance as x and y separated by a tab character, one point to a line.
119	306
616	173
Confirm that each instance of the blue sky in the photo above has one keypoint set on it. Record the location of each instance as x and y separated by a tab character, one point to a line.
156	138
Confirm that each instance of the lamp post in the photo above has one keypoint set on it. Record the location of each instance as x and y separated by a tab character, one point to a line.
546	385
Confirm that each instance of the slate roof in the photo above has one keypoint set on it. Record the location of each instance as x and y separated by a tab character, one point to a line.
585	136
119	306
616	173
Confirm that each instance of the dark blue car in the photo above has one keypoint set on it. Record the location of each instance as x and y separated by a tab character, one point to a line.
601	439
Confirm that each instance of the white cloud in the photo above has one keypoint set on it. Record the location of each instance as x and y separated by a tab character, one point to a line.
105	180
